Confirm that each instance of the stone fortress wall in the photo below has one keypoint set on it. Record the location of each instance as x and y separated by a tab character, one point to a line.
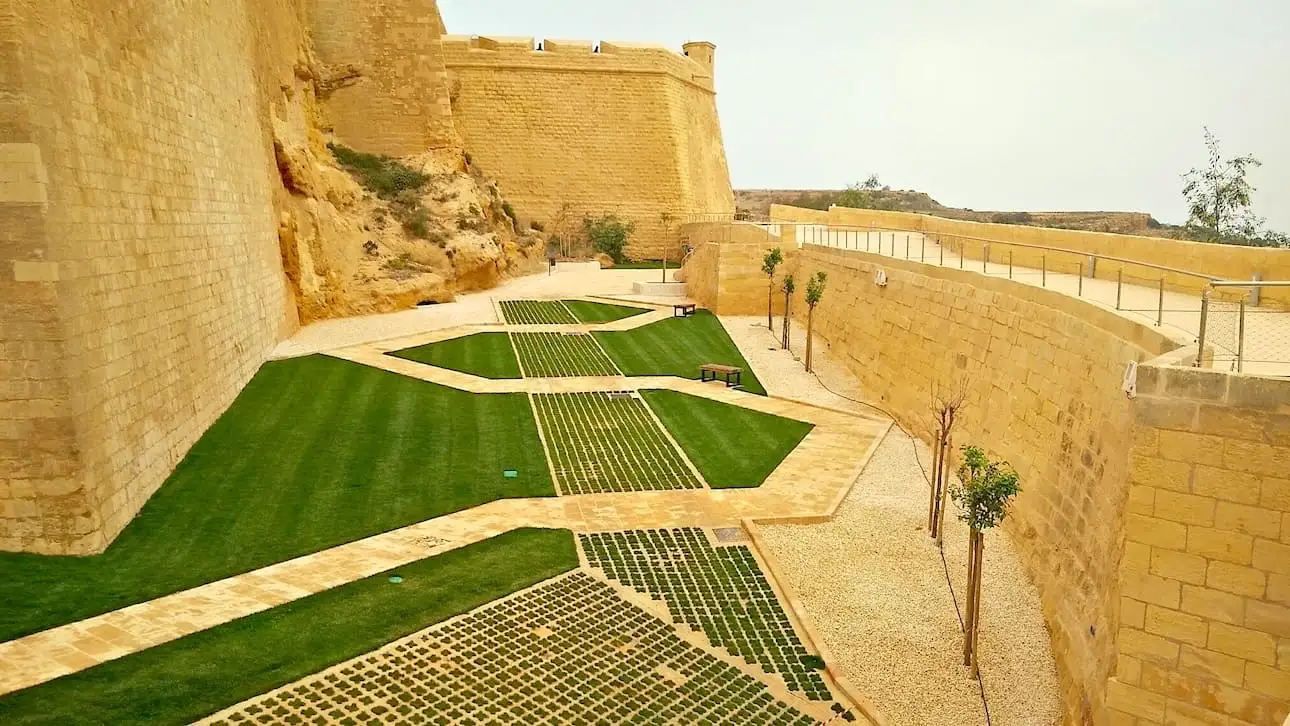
610	128
142	281
1155	528
142	205
385	60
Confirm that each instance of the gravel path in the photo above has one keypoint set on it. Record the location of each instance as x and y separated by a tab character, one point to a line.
893	626
781	371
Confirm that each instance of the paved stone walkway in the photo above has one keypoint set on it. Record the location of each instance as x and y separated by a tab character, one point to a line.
476	308
807	486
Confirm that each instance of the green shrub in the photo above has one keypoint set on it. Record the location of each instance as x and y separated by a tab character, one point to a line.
608	234
385	177
537	226
508	210
416	223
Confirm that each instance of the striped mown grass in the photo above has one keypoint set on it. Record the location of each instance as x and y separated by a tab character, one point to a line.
186	679
537	312
608	442
488	355
589	311
551	355
729	445
315	452
677	347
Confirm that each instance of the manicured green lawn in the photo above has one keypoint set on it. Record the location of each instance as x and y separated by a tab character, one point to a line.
597	312
731	446
645	265
205	672
489	355
315	452
677	347
536	312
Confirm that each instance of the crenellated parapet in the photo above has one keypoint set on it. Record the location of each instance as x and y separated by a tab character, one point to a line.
694	66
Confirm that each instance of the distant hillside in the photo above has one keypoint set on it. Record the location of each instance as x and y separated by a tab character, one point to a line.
756	202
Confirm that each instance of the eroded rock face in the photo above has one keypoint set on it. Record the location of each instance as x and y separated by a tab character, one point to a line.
346	251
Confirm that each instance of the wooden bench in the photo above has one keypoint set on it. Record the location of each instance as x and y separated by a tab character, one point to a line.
710	371
685	309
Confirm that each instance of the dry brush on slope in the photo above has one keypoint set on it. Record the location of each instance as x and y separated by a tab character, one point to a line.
361	233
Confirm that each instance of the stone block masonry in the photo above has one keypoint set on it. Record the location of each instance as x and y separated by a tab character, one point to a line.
389	88
1205	577
624	129
1154	527
960	236
142	282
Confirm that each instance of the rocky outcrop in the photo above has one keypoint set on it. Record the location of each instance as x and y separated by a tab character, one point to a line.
347	251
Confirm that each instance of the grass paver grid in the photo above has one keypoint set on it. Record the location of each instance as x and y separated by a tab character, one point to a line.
606	442
537	312
566	652
200	674
553	355
719	590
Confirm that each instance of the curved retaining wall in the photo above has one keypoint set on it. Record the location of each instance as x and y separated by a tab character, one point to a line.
1225	261
1127	505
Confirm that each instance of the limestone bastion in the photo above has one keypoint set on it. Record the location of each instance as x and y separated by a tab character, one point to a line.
172	207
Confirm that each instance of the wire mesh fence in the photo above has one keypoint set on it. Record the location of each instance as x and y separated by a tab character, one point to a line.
1247	338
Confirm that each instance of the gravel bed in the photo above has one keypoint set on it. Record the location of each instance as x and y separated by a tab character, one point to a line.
893	628
781	371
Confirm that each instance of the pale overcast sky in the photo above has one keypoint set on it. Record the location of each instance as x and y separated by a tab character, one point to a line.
992	104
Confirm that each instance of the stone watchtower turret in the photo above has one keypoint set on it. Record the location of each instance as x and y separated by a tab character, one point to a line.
701	52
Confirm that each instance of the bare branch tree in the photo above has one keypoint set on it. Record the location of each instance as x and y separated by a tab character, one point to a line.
948	400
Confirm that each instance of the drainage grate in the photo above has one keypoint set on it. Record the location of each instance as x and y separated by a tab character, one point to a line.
729	534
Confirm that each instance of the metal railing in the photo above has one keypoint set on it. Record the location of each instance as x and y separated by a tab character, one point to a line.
1224	316
1243	334
1077	272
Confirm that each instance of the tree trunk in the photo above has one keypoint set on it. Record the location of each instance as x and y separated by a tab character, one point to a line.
936	475
944	490
969	610
976	610
810	323
770	305
784	337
